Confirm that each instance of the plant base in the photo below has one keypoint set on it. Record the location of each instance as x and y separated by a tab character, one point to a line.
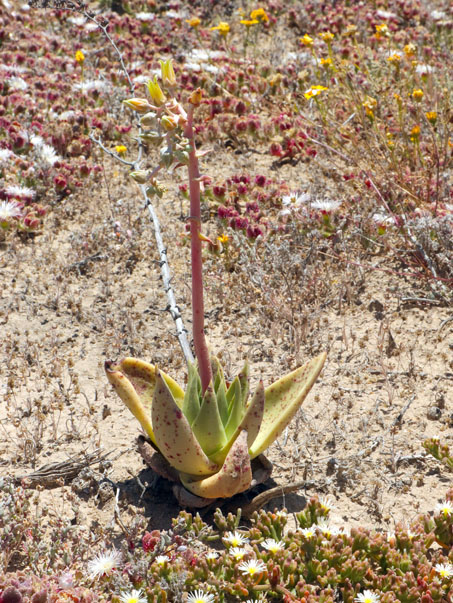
261	471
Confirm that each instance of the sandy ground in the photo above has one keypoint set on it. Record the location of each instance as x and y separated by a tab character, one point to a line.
88	289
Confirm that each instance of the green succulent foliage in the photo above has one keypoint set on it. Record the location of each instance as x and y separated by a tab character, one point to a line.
215	416
211	438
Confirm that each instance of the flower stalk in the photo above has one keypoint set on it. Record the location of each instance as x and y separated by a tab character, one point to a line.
199	338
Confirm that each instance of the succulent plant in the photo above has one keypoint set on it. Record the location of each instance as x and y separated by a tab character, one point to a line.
211	438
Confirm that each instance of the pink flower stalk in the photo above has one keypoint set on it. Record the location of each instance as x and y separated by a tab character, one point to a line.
199	339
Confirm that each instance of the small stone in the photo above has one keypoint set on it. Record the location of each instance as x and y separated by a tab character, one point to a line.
433	413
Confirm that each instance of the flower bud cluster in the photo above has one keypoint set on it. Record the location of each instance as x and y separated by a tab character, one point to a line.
162	122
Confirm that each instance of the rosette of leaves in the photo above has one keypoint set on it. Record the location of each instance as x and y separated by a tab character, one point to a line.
210	438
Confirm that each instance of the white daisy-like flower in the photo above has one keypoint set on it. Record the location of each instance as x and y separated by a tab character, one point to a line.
36	140
144	16
162	560
89	85
281	513
5	154
8	210
66	580
20	192
91	27
17	83
174	14
325	528
78	21
381	218
386	14
368	596
237	552
438	15
199	596
325	204
252	567
66	115
326	502
294	201
424	69
234	539
256	600
192	66
445	570
211	555
444	508
133	596
200	54
272	545
309	532
48	154
104	564
211	68
140	79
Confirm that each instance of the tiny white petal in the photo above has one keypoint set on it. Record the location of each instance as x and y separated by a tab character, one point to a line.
200	596
368	596
104	564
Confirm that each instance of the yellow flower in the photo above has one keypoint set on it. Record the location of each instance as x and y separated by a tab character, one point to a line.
168	73
306	40
79	56
141	105
259	13
195	97
120	149
431	116
417	95
394	58
327	36
326	62
275	80
223	28
350	30
314	91
193	22
398	98
249	22
410	50
223	238
169	123
369	104
415	133
382	31
156	94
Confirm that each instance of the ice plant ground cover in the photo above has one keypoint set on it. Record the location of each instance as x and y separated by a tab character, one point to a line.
327	221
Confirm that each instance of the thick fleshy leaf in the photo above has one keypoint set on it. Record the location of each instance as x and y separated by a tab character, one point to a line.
282	400
142	375
128	394
251	422
191	404
208	426
217	372
222	403
174	436
235	407
244	381
235	475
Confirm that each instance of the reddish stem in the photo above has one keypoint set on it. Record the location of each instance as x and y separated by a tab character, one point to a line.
199	339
